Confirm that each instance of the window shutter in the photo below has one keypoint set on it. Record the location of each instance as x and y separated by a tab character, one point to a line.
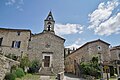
1	41
13	44
19	44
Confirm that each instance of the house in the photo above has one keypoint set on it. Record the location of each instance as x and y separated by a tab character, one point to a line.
96	48
115	59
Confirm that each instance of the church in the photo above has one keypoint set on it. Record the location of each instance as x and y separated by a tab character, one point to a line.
46	47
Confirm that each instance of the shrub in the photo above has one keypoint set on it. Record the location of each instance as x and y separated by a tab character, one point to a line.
10	76
13	68
90	68
35	66
25	62
19	72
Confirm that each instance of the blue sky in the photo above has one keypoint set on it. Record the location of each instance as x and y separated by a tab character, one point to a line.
77	21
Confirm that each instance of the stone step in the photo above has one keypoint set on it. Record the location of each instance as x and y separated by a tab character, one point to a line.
46	71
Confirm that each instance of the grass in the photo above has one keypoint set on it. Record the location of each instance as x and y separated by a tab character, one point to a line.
33	77
29	77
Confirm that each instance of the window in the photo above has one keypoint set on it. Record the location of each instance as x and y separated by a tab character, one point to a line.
119	55
99	48
18	33
49	26
1	41
16	44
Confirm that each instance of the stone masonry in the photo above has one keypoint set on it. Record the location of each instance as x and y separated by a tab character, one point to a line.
85	54
5	65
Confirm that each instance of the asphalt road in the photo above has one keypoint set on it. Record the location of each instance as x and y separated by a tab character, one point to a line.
71	77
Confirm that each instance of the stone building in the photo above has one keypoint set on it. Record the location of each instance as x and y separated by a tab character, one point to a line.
85	53
14	41
115	59
46	47
5	65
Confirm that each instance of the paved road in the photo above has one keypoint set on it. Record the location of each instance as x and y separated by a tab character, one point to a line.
44	77
66	77
72	77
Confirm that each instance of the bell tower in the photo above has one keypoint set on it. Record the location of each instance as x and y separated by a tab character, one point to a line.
49	23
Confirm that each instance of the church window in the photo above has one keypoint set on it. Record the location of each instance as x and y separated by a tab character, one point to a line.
99	48
16	44
1	39
49	27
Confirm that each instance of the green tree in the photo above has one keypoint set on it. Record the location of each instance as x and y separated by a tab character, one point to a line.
10	76
25	62
34	67
19	72
90	68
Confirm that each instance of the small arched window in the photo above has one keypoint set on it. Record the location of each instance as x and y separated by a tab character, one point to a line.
49	26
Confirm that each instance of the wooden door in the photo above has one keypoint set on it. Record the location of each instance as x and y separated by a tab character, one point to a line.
47	61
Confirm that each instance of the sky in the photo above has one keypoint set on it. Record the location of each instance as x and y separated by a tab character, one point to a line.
77	21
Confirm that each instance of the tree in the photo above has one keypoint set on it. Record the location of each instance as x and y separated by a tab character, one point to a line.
90	68
34	67
25	62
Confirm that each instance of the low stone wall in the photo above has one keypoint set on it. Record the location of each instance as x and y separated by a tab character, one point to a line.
5	65
60	76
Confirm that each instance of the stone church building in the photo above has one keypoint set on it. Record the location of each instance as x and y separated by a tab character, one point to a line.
46	47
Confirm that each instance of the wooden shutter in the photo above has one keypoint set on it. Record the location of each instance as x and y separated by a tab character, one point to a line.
13	44
1	41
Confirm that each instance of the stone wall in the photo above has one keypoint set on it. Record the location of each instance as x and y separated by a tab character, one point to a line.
5	65
85	54
115	53
10	35
48	43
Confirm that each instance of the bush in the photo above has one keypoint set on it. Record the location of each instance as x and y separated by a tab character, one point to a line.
35	66
19	72
10	76
25	62
13	68
90	68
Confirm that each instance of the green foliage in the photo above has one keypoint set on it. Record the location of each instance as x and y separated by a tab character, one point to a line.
13	68
25	62
10	76
94	60
19	72
90	68
35	66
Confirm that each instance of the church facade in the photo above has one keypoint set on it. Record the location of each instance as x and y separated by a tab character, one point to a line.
46	47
